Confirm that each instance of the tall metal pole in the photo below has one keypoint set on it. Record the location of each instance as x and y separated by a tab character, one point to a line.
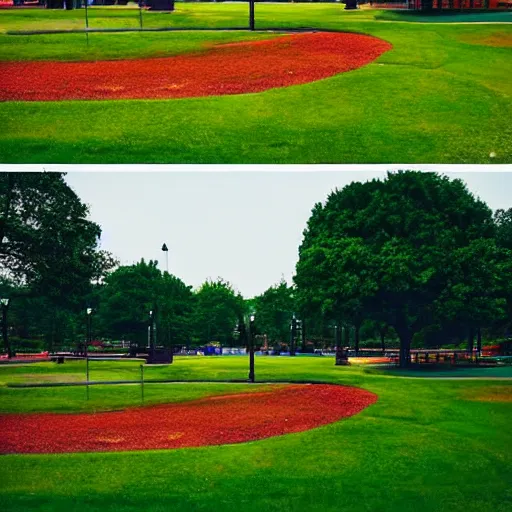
337	342
251	14
293	333
87	343
166	250
87	21
142	383
251	348
151	334
5	334
140	14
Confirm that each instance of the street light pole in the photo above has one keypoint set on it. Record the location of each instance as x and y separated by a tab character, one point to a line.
166	250
251	348
87	343
341	358
5	335
152	336
251	15
293	334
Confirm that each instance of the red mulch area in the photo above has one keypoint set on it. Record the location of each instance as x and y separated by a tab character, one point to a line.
209	421
233	68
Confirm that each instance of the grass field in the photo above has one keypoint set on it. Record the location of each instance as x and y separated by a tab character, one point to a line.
442	95
425	445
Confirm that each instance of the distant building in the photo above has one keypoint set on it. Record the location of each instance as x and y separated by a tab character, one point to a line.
446	5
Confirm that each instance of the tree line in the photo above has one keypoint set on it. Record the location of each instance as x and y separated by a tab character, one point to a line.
414	259
52	270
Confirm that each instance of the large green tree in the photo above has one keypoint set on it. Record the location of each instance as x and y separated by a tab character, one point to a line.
129	293
397	250
218	310
49	249
46	240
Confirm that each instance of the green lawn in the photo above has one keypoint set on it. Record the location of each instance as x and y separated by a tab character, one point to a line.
425	445
442	95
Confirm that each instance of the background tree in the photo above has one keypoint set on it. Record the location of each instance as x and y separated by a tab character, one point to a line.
395	248
177	303
131	292
48	249
218	309
274	310
503	222
46	240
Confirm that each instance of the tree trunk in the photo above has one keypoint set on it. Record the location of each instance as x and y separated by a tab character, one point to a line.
341	359
356	338
383	340
7	206
471	340
346	341
5	333
51	340
479	340
303	335
405	348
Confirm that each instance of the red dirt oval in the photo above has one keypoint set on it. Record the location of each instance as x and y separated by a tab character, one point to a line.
234	68
210	421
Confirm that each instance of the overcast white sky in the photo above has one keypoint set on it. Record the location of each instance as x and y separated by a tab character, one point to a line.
245	227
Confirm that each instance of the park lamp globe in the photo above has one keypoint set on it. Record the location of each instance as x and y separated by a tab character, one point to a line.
89	311
4	301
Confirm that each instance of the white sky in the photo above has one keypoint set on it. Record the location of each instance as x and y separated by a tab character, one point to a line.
243	226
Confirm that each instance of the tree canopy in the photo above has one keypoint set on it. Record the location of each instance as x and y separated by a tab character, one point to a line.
132	291
408	250
218	310
274	310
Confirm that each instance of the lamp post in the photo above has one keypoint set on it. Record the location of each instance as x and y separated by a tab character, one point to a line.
251	348
87	343
251	15
303	334
341	358
152	334
166	250
293	334
5	336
